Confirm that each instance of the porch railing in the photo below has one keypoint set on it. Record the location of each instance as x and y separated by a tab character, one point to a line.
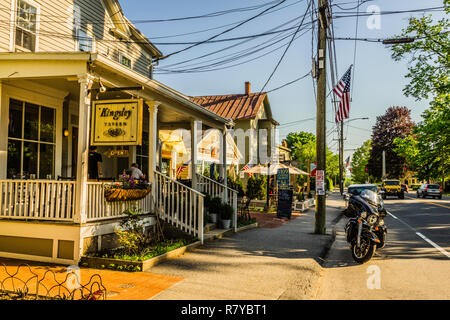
179	205
99	209
37	200
215	189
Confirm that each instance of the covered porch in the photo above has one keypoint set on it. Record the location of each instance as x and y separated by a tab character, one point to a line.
49	208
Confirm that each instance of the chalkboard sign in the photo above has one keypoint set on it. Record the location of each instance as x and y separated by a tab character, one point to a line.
284	208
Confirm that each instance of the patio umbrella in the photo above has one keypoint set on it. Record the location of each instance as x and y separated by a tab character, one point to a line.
260	169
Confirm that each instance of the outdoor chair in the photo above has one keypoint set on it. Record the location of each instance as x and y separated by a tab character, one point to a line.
61	178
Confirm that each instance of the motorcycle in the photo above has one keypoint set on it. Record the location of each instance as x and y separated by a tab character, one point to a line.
365	231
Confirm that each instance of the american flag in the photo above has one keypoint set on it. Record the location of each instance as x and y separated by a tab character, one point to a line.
347	162
246	167
342	91
183	167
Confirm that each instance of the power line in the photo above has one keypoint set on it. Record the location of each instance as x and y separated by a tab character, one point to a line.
223	32
288	46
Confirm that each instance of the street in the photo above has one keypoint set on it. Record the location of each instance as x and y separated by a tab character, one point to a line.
415	264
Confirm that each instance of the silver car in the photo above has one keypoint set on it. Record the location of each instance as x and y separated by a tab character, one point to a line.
429	190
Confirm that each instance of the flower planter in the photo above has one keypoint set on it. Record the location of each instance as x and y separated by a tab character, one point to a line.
226	224
118	194
213	217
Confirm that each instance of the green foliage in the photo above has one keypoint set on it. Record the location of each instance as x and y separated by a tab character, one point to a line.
359	162
131	236
257	187
301	196
295	139
215	205
428	56
226	211
236	184
427	148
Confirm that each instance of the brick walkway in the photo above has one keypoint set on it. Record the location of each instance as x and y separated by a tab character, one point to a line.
270	220
119	285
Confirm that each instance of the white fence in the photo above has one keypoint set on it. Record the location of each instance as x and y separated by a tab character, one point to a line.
216	189
99	209
179	205
37	200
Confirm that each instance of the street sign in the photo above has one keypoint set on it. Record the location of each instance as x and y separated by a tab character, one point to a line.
320	182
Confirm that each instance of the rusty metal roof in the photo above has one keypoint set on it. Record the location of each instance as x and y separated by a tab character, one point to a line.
234	106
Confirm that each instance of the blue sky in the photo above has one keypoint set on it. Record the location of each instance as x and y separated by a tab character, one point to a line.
378	79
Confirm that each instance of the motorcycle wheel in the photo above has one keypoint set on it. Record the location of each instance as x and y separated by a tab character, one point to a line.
365	252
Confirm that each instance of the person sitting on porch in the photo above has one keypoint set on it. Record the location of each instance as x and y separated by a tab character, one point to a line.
136	173
95	163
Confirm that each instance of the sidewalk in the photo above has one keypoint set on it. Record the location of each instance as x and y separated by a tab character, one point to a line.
278	261
260	264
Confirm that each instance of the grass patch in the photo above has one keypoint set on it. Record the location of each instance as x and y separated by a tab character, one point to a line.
246	222
149	252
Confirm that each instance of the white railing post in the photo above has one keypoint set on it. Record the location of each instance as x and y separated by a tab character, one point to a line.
235	196
200	219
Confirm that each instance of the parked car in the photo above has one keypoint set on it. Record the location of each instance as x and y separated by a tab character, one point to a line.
392	188
429	190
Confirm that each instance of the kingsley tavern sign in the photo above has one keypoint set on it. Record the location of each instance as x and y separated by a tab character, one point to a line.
117	122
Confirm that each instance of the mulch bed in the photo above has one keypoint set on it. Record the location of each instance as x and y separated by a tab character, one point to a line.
271	221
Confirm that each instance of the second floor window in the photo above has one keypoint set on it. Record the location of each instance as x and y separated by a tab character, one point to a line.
84	41
26	25
125	60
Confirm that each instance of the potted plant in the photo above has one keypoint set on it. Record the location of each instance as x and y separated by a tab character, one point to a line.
225	215
214	208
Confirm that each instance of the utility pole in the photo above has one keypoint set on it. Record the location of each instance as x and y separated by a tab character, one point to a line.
320	223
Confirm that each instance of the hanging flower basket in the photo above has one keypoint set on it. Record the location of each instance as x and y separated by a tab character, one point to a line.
118	194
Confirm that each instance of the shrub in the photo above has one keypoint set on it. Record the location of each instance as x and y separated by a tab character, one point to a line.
256	188
226	212
301	197
237	185
215	205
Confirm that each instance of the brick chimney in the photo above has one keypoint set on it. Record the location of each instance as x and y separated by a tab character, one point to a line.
247	87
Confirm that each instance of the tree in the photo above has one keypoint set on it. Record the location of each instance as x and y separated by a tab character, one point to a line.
427	149
295	139
359	162
395	123
429	53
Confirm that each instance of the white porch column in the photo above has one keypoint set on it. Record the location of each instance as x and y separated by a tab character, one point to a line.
196	129
4	110
83	148
224	162
153	141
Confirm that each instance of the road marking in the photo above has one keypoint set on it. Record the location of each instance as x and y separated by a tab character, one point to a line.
430	202
445	253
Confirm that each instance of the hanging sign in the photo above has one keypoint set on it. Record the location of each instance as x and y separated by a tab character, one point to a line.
116	122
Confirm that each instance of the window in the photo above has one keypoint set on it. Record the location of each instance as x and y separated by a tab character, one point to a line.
31	140
26	25
85	42
124	60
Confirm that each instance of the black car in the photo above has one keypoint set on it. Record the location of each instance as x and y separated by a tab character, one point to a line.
429	190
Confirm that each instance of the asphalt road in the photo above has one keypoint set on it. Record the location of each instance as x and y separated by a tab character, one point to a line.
415	264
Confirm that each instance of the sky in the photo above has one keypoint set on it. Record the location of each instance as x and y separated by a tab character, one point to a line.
377	83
